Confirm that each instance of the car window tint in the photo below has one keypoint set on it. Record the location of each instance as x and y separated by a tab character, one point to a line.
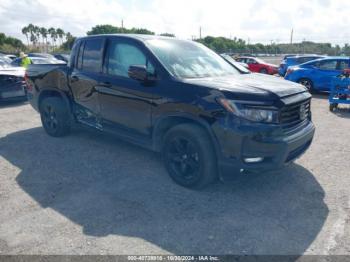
92	55
122	55
328	65
343	64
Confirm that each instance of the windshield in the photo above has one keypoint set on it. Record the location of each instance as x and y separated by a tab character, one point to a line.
187	59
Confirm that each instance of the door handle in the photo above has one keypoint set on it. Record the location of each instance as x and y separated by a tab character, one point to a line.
75	79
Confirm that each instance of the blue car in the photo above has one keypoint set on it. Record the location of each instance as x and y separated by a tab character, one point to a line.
290	60
318	74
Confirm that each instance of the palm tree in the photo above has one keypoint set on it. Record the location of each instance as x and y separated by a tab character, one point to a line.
60	33
53	35
31	32
43	32
37	34
25	31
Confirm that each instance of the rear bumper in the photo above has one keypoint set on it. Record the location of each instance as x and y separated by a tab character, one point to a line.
13	92
276	151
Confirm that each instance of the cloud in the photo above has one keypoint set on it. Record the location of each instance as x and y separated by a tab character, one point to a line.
258	20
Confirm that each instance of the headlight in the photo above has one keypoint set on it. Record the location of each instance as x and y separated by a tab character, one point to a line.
250	112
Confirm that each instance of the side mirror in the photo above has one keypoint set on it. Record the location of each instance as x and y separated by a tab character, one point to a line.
138	72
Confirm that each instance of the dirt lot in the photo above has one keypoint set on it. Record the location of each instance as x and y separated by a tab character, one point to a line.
90	193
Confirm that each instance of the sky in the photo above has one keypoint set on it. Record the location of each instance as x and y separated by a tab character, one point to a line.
252	20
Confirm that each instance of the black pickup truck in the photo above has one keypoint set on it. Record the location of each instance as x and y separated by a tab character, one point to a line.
208	118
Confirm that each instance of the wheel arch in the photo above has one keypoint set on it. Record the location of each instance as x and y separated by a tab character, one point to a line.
51	92
308	79
165	123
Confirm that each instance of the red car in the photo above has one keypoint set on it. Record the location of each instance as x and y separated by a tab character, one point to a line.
257	65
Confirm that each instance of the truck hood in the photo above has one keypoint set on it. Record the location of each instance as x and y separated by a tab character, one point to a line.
257	84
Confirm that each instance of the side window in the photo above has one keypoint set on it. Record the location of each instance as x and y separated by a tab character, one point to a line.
80	56
343	64
328	65
122	55
92	57
250	61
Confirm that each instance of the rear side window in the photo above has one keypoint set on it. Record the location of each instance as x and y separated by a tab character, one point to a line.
306	59
92	56
328	65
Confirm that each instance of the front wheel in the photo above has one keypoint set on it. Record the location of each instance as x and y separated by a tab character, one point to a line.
189	156
333	107
55	116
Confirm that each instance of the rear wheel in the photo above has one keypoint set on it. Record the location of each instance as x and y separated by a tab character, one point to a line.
189	156
263	71
307	83
55	116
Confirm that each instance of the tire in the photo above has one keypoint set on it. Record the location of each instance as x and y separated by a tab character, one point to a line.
333	107
263	71
55	116
189	156
307	83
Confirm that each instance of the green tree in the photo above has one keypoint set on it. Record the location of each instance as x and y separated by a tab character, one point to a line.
53	35
60	34
68	44
167	34
25	31
110	29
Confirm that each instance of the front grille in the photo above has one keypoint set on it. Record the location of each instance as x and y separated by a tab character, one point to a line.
295	114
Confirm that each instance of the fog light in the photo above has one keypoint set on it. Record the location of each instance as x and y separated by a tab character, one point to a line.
253	159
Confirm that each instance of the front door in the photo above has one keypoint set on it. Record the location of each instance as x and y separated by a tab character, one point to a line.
125	103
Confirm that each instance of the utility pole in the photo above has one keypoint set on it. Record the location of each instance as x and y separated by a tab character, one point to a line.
122	24
291	36
200	32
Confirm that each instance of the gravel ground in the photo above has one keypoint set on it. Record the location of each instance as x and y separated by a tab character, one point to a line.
90	193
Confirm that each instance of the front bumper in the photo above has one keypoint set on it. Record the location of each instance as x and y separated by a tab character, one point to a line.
277	149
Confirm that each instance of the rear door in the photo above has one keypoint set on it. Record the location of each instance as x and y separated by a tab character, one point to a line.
325	73
85	76
125	102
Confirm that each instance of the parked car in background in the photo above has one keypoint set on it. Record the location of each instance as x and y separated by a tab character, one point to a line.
288	55
42	55
12	84
239	65
295	60
258	65
62	57
4	63
317	75
38	60
5	59
208	119
12	57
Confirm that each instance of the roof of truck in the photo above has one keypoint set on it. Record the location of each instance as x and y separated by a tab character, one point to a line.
140	37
